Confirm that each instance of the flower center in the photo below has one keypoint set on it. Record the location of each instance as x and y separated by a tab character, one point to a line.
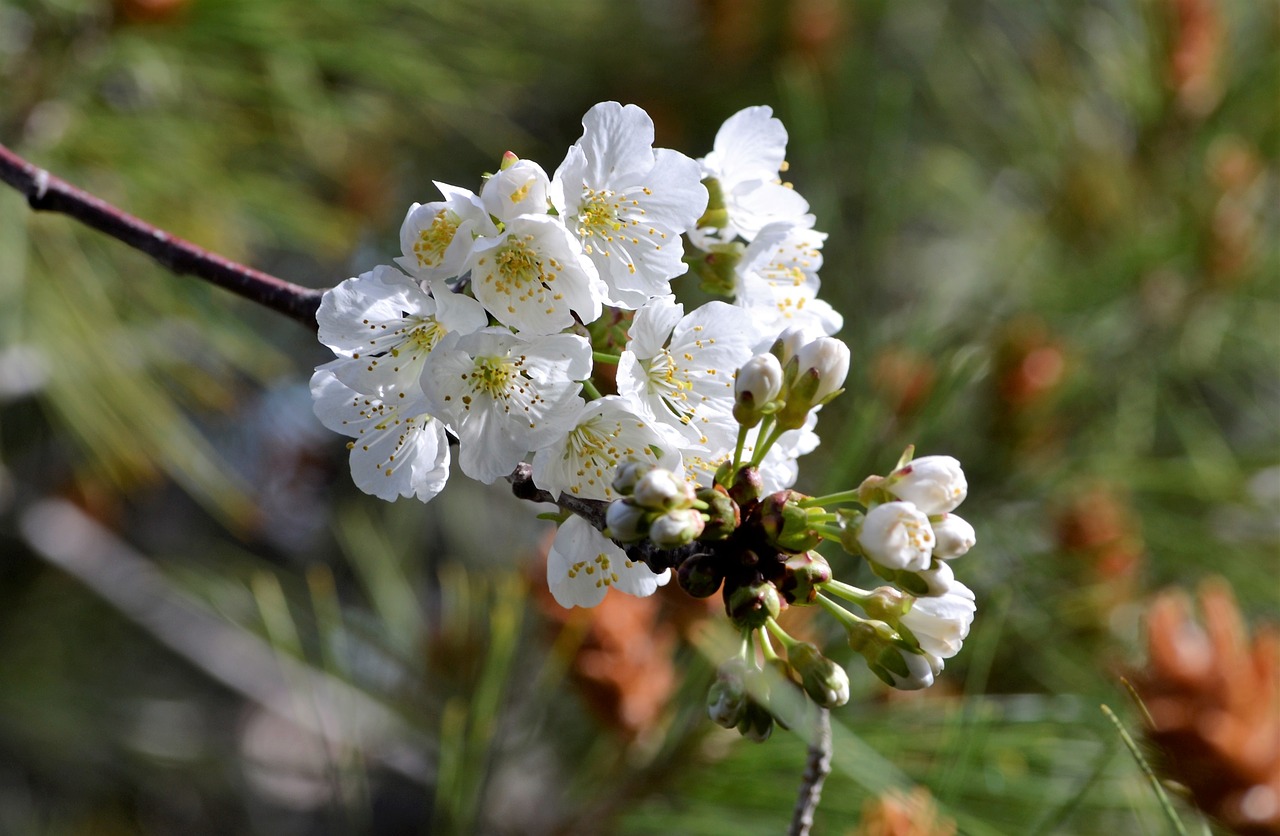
607	577
435	239
492	376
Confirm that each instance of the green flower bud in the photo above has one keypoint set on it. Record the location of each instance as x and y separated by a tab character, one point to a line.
803	574
747	485
676	528
727	699
756	723
723	513
786	524
750	606
700	575
826	683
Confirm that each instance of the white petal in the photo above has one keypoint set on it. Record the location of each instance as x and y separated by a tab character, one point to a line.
583	564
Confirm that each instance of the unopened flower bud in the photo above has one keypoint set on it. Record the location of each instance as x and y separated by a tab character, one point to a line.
676	528
886	604
751	605
823	680
934	484
897	535
803	574
747	485
758	383
625	521
828	357
953	537
727	699
756	723
627	474
661	490
904	669
723	513
787	344
700	575
786	524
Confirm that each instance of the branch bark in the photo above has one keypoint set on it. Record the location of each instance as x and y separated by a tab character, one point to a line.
817	768
47	193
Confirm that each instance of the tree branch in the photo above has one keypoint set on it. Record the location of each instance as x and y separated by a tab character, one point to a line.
46	193
817	768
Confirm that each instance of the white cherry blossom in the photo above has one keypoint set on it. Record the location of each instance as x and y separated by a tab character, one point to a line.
532	277
777	282
505	394
628	203
942	622
436	237
897	536
519	189
678	370
389	324
397	449
583	565
935	484
604	434
748	154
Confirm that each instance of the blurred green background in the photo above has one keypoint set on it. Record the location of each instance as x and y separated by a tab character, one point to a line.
1053	235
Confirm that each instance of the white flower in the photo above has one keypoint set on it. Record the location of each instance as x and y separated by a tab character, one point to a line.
519	189
661	490
605	434
504	394
897	536
626	521
941	580
829	359
533	278
582	565
761	378
941	623
778	471
628	202
679	371
935	484
749	151
954	536
777	281
922	668
387	322
399	450
436	237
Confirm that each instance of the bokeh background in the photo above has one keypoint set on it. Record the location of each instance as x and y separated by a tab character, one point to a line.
1053	236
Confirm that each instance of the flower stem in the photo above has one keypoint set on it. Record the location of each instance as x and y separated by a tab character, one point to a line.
591	390
605	357
847	591
831	499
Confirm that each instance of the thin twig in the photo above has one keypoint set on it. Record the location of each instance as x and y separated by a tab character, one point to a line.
47	193
816	770
593	511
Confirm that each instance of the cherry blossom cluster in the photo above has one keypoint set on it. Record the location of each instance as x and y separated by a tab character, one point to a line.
533	323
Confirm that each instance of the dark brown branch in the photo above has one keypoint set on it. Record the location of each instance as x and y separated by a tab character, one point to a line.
593	510
817	768
46	193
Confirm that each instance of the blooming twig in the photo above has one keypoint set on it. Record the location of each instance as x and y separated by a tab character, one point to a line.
47	193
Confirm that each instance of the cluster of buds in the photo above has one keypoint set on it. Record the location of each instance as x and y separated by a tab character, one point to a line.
759	548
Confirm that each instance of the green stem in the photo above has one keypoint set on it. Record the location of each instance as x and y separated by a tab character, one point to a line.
767	646
591	390
774	434
606	357
847	591
737	450
781	635
846	618
831	499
